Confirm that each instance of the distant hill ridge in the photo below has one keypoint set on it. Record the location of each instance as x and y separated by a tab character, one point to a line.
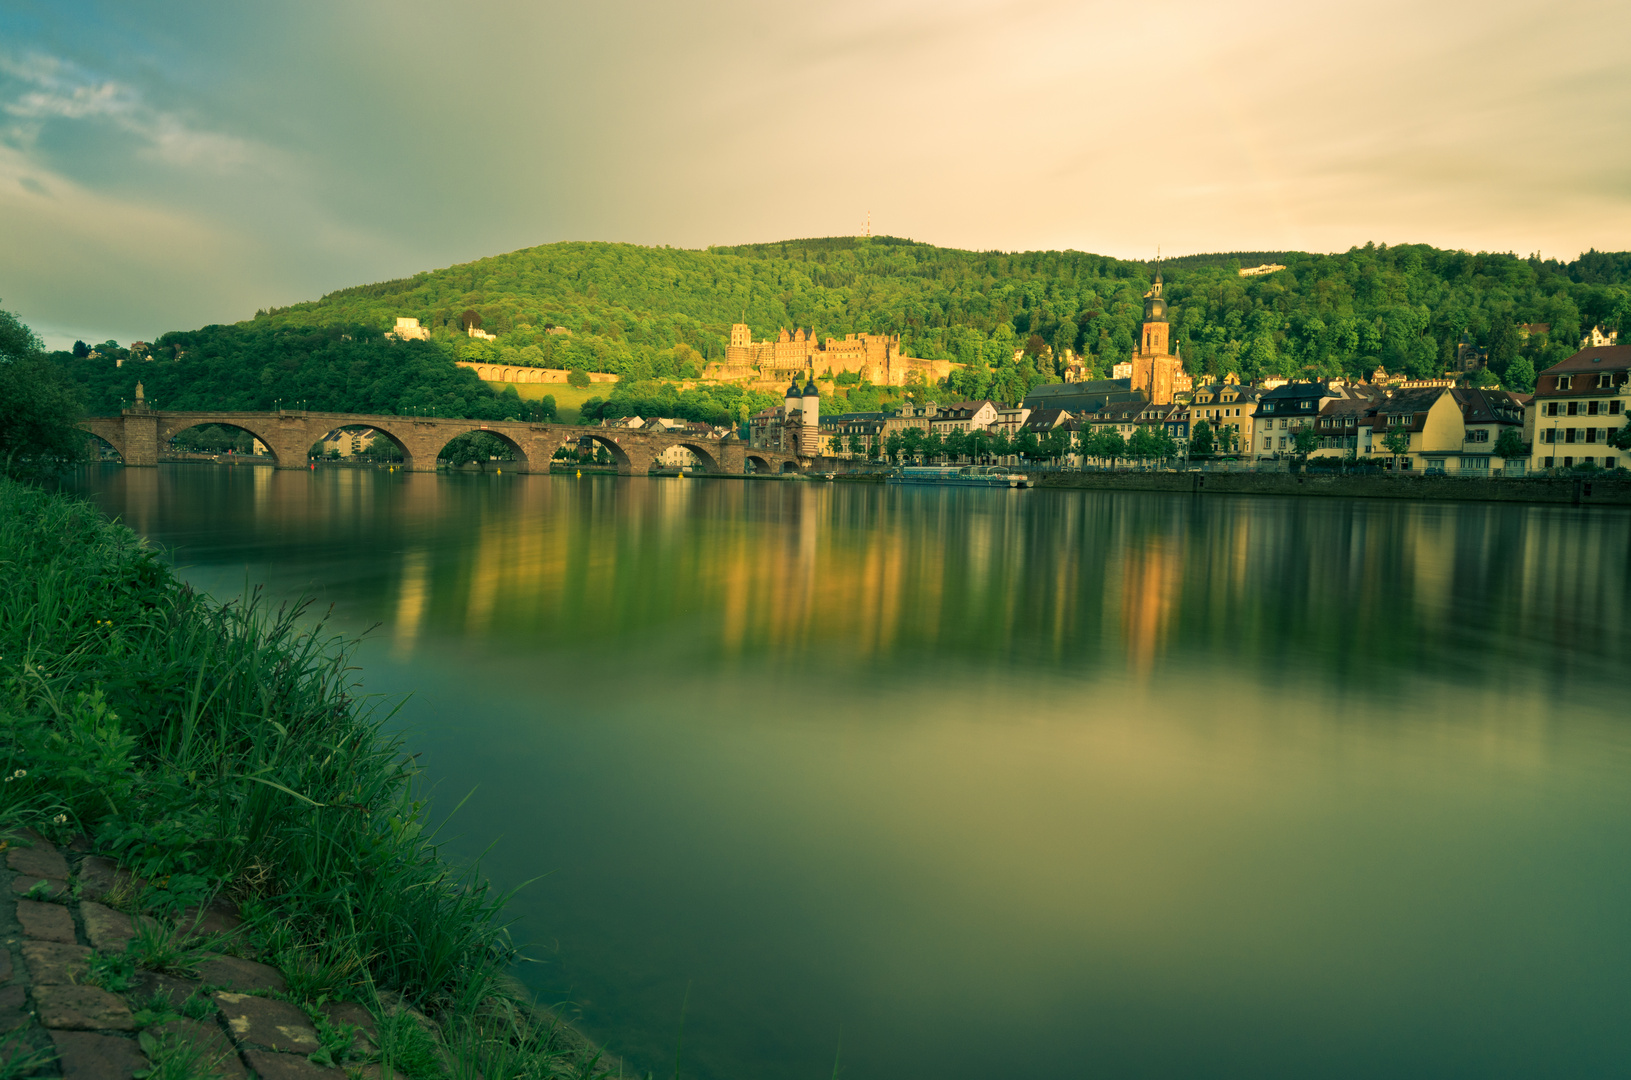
663	312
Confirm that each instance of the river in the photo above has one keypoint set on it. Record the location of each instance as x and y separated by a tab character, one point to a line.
974	784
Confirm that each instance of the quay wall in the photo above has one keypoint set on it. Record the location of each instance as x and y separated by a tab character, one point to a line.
1562	489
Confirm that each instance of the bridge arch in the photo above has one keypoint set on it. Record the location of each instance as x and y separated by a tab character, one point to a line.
704	455
168	433
522	459
96	443
759	463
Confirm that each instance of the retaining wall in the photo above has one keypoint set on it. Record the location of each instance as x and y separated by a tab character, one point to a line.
1567	490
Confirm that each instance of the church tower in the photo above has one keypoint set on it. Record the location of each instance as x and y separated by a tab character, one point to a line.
1155	370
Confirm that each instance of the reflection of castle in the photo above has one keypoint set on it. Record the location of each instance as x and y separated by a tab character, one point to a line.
875	357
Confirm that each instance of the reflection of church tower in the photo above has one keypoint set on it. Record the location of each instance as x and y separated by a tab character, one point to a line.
1155	370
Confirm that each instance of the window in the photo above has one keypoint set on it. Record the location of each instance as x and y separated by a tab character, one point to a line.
1549	435
1564	382
1478	435
1608	461
1613	408
1568	435
1605	380
1573	409
1549	462
1551	408
1591	408
1591	434
1568	461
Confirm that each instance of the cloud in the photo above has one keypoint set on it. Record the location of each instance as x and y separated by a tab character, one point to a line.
55	89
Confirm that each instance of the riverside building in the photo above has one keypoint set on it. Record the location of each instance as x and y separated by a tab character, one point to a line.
1578	407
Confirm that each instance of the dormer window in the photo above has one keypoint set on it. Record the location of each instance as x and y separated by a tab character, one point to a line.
1565	381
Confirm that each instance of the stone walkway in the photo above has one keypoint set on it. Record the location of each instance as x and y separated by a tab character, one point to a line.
56	925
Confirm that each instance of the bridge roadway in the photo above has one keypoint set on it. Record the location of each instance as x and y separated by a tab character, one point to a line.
140	434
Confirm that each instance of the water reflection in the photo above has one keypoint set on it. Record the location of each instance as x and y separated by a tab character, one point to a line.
1001	783
771	573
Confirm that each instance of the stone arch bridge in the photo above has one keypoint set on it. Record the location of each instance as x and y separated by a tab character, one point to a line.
140	434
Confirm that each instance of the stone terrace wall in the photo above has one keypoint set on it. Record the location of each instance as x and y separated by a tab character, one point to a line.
1567	490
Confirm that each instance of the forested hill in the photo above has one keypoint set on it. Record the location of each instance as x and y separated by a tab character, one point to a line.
662	312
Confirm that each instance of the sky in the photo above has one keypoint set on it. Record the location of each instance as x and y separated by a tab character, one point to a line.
168	165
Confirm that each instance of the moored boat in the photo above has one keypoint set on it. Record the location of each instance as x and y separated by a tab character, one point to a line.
960	475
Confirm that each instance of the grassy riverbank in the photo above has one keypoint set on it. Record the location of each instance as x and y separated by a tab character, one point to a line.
218	751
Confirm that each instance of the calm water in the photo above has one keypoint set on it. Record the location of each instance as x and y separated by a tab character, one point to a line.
980	784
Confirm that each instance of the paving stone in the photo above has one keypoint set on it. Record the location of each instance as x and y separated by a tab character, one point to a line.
83	1056
80	844
45	922
5	964
13	1008
99	876
267	1022
219	916
236	974
81	1008
48	888
373	1071
216	1051
41	861
345	1012
109	930
288	1067
172	988
53	964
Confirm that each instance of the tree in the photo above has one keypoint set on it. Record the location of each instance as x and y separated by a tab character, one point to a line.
1057	444
1510	445
38	408
1200	440
1396	443
956	445
1108	445
893	446
1622	437
577	377
1000	445
1143	443
1165	446
1520	375
857	444
1025	444
81	350
912	442
1305	441
978	444
934	445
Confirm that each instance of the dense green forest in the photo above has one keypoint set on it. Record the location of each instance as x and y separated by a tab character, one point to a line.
256	366
662	313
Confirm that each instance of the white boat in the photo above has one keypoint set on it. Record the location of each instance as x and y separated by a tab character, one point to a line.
960	475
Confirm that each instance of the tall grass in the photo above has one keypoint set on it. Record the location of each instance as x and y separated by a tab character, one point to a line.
221	747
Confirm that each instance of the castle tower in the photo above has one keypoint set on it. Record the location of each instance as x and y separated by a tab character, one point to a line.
791	400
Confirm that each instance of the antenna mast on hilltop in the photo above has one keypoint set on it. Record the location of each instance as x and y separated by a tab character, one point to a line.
869	224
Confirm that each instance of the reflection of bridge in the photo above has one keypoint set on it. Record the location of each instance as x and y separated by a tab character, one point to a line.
139	434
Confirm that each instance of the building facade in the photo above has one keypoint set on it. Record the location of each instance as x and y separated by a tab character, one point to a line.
1578	407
